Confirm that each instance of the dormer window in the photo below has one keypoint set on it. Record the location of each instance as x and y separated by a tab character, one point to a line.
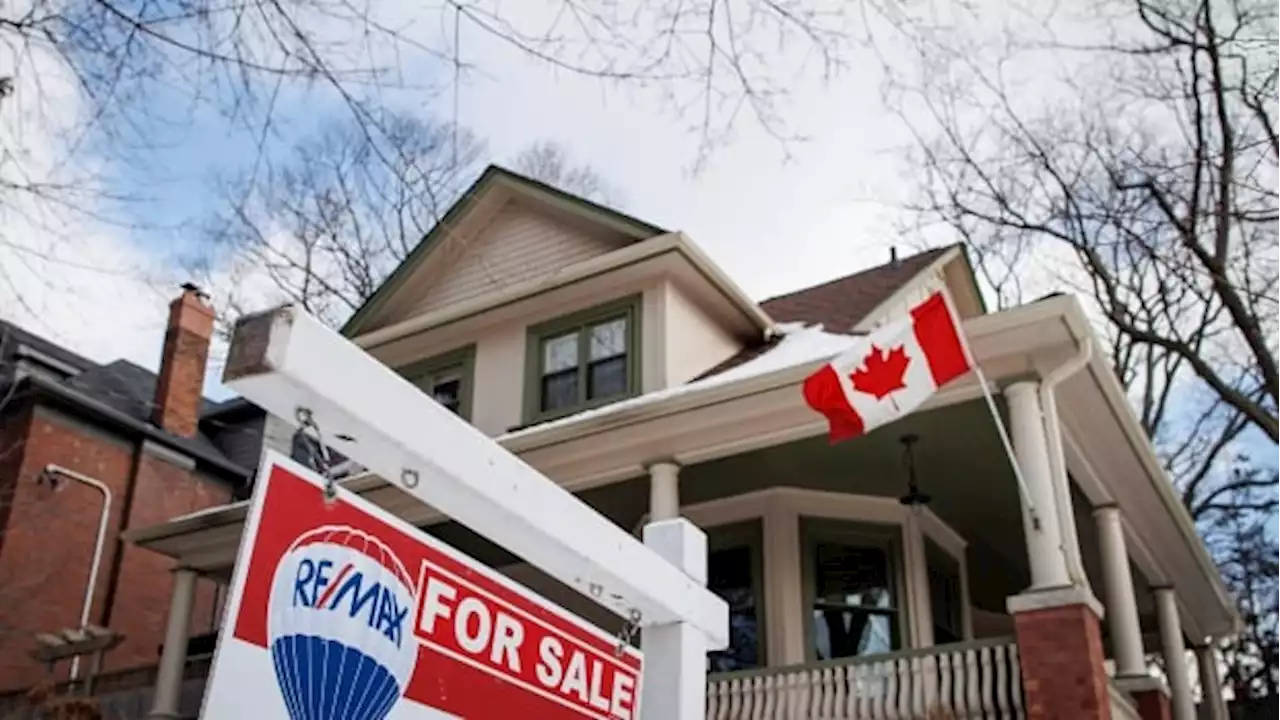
446	378
584	360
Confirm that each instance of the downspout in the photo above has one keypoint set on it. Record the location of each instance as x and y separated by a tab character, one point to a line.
87	604
1058	462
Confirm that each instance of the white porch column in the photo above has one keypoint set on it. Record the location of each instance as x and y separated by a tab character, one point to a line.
173	659
664	491
1215	707
921	612
1122	604
1175	657
675	675
1044	543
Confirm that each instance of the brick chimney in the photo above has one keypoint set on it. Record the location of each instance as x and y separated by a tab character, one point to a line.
179	390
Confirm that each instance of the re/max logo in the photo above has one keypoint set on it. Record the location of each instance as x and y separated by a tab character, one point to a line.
316	586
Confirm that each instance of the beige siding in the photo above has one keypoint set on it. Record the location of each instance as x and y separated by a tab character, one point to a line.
497	398
520	244
694	342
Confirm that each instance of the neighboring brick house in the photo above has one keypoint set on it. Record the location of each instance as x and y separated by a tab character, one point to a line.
157	443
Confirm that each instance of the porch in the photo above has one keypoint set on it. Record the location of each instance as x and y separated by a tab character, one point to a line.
845	602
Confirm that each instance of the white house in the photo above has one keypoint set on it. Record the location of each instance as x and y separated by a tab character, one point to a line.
616	358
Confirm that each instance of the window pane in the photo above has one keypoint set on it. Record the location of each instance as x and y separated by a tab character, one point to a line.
609	339
559	353
840	633
853	609
852	575
607	377
448	392
560	390
729	574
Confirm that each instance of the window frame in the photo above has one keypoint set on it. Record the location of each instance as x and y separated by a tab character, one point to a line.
422	373
628	308
885	536
749	534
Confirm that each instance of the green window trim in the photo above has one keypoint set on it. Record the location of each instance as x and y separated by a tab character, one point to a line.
424	373
628	308
887	537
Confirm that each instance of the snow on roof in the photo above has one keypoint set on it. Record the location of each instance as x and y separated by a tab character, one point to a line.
801	345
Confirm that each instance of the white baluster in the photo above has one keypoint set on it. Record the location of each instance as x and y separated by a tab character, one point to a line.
880	689
1002	682
973	698
766	698
988	699
929	666
945	698
738	689
915	695
713	704
835	704
865	691
1015	680
891	690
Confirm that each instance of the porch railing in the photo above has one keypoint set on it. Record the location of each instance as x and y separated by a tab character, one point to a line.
976	679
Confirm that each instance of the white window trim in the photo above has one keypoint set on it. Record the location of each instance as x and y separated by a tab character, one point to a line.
780	508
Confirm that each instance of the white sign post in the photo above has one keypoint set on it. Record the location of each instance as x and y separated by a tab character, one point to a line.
284	360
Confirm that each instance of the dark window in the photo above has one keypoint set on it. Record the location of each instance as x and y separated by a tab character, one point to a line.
732	574
446	378
853	593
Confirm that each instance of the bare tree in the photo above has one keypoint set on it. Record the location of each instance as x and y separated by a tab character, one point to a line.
325	225
1151	168
1137	165
549	162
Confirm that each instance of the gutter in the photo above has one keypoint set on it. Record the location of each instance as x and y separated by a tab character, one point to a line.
1058	461
106	412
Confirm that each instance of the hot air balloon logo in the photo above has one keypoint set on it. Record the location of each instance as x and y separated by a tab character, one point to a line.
338	626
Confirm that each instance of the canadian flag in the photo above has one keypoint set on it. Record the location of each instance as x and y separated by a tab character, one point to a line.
889	372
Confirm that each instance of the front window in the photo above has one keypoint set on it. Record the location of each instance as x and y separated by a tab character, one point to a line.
446	379
945	596
734	573
584	361
853	590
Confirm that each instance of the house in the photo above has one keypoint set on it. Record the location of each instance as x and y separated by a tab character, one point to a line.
616	358
88	448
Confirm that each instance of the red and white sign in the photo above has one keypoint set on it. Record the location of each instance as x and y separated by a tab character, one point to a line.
342	611
889	372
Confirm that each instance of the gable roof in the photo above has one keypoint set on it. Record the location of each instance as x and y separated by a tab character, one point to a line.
837	305
492	178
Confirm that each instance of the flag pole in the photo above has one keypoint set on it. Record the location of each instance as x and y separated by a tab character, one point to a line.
991	405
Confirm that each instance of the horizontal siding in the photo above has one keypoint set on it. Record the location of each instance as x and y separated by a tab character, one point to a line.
519	245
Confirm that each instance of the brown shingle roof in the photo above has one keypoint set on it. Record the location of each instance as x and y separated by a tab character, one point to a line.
837	305
841	304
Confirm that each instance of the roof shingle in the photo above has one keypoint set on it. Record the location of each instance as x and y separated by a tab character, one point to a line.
838	305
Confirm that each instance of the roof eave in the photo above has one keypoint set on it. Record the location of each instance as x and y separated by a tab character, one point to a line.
110	414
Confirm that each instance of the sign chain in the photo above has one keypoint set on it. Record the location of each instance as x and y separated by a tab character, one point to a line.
320	458
628	633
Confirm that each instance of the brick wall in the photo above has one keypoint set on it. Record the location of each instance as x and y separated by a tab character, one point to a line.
49	538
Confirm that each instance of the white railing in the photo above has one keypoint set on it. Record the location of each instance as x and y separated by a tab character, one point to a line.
977	679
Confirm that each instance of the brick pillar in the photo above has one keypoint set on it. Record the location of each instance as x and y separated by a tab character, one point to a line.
1060	653
1153	704
179	390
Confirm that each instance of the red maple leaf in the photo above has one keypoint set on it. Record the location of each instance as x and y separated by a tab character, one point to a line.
881	372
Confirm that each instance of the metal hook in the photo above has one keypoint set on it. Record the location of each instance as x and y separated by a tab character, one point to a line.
320	457
628	633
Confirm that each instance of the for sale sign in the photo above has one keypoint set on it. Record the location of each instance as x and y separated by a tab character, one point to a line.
340	611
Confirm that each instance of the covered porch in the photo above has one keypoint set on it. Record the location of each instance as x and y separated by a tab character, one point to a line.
846	602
